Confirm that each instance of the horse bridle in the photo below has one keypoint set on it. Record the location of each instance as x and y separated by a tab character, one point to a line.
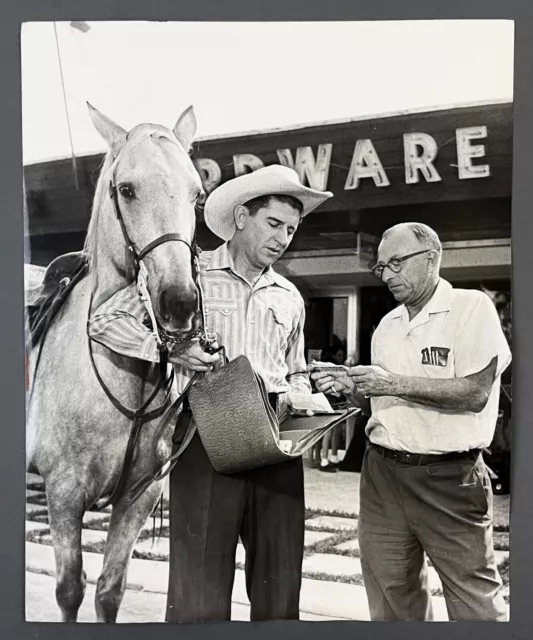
167	237
142	415
138	256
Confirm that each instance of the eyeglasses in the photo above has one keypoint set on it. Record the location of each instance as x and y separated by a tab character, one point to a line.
395	265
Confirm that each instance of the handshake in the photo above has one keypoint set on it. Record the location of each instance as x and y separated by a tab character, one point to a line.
366	381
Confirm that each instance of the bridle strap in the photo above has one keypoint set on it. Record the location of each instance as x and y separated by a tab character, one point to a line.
143	483
168	237
114	196
133	414
139	418
132	247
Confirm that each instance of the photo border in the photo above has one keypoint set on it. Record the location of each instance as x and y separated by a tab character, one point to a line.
12	458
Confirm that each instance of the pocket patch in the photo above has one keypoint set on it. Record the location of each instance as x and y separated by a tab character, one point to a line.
436	356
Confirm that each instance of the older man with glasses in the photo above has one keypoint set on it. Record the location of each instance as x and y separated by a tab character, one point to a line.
432	394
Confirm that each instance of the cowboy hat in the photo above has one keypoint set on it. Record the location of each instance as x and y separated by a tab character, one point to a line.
273	180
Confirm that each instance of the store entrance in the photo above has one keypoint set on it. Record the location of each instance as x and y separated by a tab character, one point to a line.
326	333
376	302
326	328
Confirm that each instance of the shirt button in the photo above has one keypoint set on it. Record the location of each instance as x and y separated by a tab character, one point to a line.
252	321
226	310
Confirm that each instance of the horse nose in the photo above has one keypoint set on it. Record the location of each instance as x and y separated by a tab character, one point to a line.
177	306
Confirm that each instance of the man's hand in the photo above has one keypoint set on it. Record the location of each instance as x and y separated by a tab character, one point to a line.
193	357
469	393
334	382
374	381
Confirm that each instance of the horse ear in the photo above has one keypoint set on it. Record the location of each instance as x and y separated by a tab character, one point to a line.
111	132
185	128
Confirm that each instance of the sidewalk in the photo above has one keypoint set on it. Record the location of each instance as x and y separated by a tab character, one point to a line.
332	583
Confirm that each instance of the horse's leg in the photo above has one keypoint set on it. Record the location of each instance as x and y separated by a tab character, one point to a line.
66	518
124	528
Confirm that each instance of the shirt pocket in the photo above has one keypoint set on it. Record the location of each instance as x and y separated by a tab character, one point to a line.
220	308
436	360
220	315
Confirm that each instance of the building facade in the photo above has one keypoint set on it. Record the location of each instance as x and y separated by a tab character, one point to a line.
448	168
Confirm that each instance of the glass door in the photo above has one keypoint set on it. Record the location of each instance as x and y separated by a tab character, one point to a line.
326	328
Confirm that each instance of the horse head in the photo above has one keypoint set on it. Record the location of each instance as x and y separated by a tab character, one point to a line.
144	209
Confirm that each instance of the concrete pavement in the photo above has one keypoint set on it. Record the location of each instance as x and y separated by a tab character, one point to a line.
332	586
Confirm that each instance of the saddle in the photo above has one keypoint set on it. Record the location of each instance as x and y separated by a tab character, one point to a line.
44	301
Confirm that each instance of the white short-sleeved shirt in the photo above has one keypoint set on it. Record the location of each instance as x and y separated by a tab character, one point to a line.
455	335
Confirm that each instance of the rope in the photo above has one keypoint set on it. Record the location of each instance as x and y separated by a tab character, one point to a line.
74	166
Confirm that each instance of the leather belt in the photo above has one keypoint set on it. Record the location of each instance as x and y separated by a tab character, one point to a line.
404	457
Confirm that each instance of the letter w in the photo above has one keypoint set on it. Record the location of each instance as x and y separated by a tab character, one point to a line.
314	171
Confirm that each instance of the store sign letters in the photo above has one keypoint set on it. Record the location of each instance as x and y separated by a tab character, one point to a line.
313	167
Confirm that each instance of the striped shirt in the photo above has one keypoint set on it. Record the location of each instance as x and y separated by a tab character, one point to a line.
263	321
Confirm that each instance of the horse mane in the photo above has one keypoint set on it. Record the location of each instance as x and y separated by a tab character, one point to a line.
100	194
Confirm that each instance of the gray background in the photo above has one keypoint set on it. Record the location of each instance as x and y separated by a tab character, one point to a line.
12	472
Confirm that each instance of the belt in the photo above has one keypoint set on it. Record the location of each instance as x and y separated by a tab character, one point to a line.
405	457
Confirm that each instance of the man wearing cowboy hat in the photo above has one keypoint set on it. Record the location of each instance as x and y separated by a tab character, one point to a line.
254	312
258	313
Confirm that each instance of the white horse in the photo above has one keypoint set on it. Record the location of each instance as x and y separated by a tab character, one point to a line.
76	438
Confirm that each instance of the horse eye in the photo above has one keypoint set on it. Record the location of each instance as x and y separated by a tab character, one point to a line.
126	191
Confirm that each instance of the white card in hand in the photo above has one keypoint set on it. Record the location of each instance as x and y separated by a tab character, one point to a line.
309	402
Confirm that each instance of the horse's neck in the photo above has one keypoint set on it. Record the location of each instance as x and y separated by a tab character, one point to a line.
107	280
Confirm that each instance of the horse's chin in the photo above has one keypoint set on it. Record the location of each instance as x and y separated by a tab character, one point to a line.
173	332
178	333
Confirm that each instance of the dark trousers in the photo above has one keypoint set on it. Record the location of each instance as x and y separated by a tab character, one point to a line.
444	510
208	513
